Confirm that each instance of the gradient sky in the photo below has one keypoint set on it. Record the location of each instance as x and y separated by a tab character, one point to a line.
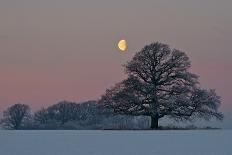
51	50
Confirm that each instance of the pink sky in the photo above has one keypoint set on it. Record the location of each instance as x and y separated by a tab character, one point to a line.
55	50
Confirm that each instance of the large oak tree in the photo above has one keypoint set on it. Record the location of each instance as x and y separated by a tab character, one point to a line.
159	84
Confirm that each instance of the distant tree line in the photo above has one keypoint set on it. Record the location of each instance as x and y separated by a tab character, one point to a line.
69	115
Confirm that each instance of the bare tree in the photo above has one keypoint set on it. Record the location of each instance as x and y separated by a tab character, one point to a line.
64	111
89	110
158	85
42	116
15	115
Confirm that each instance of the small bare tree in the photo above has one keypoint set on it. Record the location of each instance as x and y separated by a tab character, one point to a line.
15	116
64	111
159	84
41	116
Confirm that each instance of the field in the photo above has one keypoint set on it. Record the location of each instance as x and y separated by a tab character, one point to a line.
196	142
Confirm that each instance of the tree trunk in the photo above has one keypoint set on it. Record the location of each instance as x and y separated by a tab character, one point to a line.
154	123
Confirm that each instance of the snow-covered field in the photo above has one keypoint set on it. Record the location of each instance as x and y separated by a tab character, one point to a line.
199	142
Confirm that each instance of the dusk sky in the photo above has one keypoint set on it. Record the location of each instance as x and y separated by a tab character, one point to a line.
51	50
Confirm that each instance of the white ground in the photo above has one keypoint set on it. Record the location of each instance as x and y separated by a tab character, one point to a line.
207	142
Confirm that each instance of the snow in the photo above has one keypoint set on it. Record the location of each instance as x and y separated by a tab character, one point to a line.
196	142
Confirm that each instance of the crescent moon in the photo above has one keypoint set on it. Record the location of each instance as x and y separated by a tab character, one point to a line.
122	45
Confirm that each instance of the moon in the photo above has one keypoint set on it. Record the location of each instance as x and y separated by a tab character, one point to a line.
122	45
